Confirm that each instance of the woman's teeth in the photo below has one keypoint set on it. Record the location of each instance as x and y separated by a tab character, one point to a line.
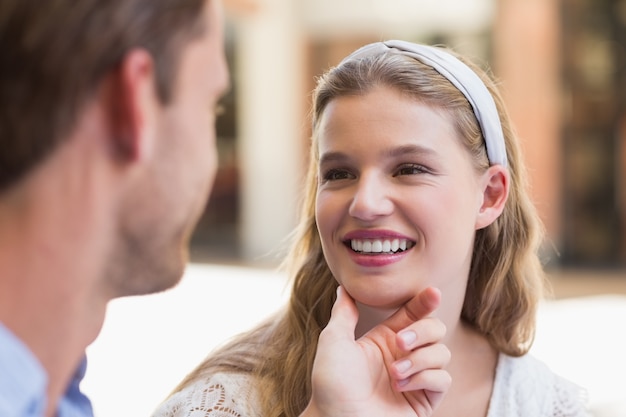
380	245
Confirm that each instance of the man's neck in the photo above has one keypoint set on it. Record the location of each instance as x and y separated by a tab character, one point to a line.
52	320
48	285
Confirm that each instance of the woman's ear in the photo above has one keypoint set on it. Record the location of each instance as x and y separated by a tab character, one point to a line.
495	183
133	102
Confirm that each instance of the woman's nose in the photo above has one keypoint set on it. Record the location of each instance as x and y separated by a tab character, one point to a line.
371	198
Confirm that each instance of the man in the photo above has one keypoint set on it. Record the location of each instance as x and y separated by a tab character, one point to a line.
107	157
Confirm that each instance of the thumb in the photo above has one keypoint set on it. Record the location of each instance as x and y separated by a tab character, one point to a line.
415	309
343	317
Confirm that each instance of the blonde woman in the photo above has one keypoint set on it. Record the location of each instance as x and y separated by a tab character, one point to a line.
416	181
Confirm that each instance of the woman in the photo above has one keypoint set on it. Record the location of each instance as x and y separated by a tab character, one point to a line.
415	181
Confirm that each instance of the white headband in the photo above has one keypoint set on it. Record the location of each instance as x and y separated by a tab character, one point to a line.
463	78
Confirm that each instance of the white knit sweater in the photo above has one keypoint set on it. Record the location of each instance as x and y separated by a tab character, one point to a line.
523	387
527	387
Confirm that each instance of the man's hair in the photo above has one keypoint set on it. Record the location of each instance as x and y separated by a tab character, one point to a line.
55	53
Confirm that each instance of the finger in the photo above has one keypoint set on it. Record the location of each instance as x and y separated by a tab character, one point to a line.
343	317
425	303
422	332
435	397
431	380
435	356
415	309
424	401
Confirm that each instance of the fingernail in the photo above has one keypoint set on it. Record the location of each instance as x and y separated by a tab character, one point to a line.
403	382
408	337
403	366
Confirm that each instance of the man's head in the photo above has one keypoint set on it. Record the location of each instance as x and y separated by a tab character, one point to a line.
169	190
55	54
107	125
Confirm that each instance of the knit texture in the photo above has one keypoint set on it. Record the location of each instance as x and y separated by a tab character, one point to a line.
523	387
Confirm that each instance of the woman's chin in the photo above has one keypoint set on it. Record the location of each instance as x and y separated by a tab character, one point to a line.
380	301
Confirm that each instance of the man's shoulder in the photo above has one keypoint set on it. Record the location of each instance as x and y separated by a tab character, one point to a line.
22	378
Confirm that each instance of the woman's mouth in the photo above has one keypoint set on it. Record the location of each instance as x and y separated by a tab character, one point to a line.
379	246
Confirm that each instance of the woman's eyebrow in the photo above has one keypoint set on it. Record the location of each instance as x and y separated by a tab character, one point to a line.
395	152
328	157
411	149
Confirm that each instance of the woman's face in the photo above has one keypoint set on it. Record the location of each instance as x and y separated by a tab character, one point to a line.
398	199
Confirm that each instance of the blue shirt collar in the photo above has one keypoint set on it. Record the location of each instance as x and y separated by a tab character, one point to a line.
23	382
22	378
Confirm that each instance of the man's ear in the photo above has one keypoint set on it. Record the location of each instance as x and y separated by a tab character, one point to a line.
133	102
495	183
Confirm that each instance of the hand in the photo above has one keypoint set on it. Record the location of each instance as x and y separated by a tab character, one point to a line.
395	370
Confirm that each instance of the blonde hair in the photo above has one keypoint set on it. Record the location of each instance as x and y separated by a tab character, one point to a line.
505	280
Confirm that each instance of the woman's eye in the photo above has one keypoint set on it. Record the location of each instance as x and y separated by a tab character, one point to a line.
411	169
337	174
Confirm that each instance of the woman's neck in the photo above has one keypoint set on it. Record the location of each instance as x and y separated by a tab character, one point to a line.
472	368
472	365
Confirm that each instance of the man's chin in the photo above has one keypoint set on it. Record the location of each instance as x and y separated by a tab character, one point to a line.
153	285
162	275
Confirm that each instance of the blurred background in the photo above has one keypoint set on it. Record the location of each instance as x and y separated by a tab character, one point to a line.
562	70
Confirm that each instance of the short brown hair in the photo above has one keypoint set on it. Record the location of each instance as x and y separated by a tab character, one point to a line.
56	52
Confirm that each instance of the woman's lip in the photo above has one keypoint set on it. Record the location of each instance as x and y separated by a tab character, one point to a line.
374	260
374	234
